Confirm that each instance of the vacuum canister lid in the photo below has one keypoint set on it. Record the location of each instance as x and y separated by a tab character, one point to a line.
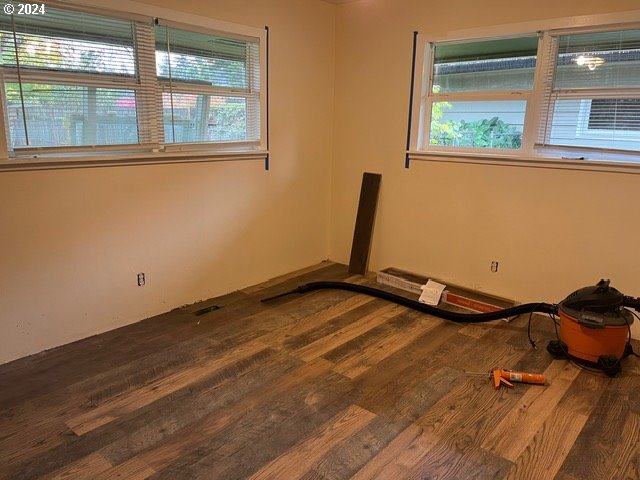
598	306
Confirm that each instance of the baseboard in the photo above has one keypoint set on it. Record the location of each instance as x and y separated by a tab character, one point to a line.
466	298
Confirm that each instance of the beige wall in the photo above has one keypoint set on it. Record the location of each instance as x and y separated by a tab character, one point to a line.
72	241
551	230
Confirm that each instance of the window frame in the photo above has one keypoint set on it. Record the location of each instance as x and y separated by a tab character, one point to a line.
430	97
170	86
530	154
151	148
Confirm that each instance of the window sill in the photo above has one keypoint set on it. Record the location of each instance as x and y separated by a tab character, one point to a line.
525	161
155	158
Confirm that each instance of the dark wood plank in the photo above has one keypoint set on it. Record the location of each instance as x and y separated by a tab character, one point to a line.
358	327
139	398
347	458
366	351
321	329
609	441
87	467
301	457
455	458
252	437
404	452
549	446
365	219
396	376
312	475
189	408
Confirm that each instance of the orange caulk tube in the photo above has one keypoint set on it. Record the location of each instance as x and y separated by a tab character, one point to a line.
505	377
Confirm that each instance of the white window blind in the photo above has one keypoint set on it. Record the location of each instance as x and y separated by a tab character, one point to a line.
210	86
592	93
70	80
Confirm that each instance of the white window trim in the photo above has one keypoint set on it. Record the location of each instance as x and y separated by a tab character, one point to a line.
122	155
526	156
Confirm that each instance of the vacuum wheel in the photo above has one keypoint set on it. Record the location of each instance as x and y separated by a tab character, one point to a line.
557	349
609	364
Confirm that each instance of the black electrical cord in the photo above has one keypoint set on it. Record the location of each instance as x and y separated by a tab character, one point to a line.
531	340
422	307
629	348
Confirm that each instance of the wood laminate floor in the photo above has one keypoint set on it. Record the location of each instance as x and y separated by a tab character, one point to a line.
328	385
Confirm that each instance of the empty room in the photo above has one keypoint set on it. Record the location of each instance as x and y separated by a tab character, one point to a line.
320	239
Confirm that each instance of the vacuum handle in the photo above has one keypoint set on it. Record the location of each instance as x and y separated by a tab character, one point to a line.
632	302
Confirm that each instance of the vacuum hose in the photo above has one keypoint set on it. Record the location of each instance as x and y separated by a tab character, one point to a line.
423	307
632	302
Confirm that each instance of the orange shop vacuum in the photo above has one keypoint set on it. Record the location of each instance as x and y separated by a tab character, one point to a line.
595	327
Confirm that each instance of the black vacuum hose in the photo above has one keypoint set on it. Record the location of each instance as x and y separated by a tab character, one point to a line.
423	307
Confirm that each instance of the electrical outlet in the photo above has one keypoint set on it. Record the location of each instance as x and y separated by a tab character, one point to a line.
494	266
140	279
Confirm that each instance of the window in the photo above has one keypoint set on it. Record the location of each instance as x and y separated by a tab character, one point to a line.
210	87
562	95
80	82
592	93
69	80
478	94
